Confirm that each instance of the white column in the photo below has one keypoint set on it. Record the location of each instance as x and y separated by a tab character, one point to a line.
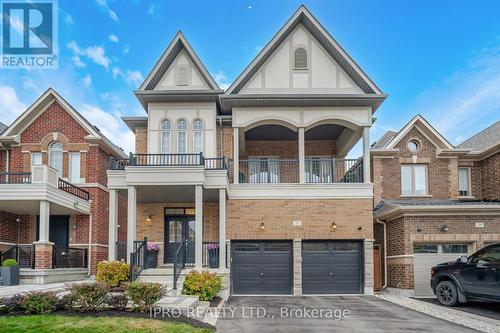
198	231
302	156
113	224
236	156
222	228
44	222
366	154
131	219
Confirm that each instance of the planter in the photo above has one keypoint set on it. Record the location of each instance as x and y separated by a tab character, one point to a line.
213	258
152	259
10	276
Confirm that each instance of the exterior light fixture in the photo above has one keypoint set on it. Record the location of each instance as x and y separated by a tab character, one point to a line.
445	228
262	226
360	228
149	220
419	229
334	226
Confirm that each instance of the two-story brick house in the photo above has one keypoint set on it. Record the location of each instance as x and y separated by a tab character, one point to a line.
53	192
433	201
255	179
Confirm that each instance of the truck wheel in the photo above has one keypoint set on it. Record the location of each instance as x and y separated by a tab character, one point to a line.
447	293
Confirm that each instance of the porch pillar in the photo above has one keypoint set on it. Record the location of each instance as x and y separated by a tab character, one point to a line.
113	224
43	247
366	155
44	221
131	219
302	156
222	228
198	231
236	156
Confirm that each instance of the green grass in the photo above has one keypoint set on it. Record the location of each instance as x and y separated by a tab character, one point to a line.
63	324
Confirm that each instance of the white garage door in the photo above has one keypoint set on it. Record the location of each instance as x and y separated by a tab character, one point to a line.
428	255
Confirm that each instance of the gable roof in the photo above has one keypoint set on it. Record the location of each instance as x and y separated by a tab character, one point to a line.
384	140
485	139
2	127
303	16
176	45
13	131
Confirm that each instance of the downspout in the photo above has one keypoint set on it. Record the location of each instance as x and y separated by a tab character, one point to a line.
89	257
7	161
221	152
385	252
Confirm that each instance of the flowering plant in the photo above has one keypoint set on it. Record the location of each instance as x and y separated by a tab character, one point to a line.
212	246
153	246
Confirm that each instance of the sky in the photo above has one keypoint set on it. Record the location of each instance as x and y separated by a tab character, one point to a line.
437	58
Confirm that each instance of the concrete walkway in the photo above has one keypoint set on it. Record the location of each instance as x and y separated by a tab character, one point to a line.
7	291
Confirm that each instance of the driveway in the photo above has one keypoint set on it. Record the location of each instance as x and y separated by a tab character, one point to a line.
286	314
485	309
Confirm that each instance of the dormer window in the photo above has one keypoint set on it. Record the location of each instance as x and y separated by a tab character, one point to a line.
182	76
300	58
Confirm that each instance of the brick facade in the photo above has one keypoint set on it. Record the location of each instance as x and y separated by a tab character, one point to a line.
141	140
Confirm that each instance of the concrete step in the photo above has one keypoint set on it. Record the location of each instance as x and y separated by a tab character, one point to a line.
179	303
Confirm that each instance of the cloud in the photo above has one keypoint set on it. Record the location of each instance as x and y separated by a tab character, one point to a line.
104	5
77	62
95	53
470	96
116	72
113	38
221	80
126	49
249	7
69	19
134	78
10	107
87	81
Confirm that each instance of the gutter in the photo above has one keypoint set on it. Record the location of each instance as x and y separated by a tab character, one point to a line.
385	252
89	257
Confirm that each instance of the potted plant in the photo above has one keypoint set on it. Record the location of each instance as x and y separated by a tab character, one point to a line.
10	273
152	254
213	255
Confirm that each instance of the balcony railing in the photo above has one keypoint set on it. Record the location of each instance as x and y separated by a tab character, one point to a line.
317	170
215	163
24	254
15	177
75	190
212	163
69	257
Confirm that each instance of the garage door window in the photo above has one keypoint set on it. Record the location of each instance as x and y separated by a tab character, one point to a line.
276	247
345	247
315	247
425	248
454	248
248	247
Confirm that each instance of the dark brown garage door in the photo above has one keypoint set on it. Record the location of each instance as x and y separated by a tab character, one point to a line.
331	267
261	267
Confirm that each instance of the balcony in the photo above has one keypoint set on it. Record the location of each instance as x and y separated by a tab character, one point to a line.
168	160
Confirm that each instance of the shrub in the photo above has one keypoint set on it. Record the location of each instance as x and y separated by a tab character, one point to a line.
205	285
39	302
86	297
13	303
144	294
117	301
112	273
9	263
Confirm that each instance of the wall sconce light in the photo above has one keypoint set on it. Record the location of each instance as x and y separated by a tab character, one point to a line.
262	226
359	228
18	220
149	220
75	226
334	226
419	229
445	228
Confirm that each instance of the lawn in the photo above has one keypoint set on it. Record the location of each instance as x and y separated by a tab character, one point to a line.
61	324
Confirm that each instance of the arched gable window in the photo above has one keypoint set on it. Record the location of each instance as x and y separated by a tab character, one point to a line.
300	58
198	136
182	76
166	137
181	136
56	156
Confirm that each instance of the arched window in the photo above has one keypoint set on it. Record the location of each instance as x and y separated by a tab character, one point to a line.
300	58
181	136
182	76
56	156
166	137
198	136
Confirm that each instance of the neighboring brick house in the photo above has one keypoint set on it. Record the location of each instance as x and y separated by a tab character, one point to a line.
256	176
53	182
434	201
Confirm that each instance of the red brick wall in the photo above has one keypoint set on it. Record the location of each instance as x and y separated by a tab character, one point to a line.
122	218
490	177
98	161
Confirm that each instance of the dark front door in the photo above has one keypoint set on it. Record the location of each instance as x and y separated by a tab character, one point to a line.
331	267
58	229
179	230
261	267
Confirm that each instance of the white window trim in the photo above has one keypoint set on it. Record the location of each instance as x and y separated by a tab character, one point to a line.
202	131
160	137
469	189
60	172
38	153
413	191
71	167
177	131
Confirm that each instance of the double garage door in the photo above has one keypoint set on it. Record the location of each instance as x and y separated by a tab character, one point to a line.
266	267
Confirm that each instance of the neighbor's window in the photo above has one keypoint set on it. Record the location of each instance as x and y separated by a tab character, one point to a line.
166	137
56	156
181	136
182	76
300	58
36	158
74	168
464	182
414	179
198	136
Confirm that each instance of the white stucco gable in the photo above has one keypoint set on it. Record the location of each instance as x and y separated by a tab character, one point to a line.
172	77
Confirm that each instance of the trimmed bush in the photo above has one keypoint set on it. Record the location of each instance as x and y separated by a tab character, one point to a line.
112	273
9	263
39	302
117	301
12	304
205	285
86	297
144	294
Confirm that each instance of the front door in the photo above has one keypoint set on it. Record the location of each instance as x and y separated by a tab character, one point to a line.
58	229
179	230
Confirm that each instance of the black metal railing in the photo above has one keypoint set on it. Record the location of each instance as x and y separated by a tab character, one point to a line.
116	163
75	190
121	250
138	258
333	170
15	177
211	254
69	257
24	254
215	163
179	262
211	163
268	170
